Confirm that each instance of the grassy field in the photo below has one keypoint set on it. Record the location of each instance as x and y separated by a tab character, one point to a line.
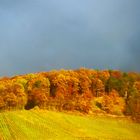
49	125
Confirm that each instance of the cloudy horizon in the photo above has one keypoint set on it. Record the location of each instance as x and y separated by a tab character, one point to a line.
41	35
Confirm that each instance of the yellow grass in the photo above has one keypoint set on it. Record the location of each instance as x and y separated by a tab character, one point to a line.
49	125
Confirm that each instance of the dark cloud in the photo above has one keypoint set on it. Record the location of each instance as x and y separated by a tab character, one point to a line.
44	35
134	53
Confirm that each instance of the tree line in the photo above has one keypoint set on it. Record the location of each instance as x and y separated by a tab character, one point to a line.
84	90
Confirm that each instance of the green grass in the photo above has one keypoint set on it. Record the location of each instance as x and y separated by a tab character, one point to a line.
49	125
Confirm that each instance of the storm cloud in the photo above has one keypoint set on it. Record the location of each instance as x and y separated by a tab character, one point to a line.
40	35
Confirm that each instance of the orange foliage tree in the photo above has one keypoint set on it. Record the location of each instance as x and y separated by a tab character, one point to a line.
73	90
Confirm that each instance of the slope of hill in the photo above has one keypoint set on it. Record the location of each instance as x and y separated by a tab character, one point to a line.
83	90
41	125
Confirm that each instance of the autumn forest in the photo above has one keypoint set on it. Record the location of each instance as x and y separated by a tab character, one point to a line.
83	90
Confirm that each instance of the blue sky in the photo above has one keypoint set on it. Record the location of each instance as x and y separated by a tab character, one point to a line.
40	35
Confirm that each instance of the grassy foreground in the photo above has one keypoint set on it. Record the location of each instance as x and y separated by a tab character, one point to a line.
49	125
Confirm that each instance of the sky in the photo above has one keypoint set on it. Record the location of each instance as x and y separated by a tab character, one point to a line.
41	35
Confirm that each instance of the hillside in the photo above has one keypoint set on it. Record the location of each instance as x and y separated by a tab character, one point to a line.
40	125
84	90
